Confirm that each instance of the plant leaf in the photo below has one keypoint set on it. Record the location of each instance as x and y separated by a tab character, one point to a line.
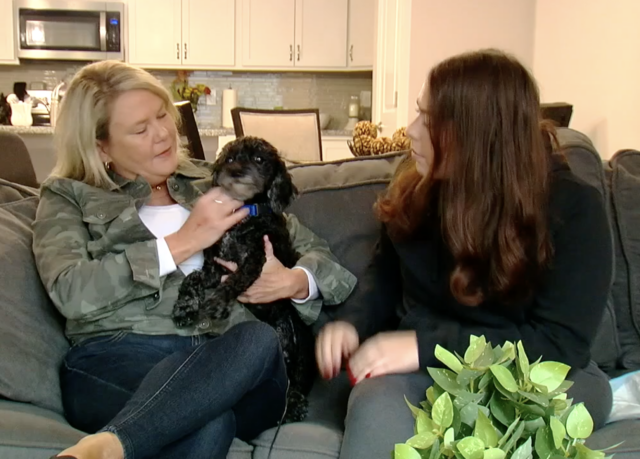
403	451
446	379
448	359
504	377
466	376
523	361
414	409
524	451
532	427
435	449
579	422
423	423
430	396
471	448
508	433
539	399
422	441
469	414
485	359
449	437
514	437
586	453
485	380
476	347
508	352
549	374
443	411
502	410
562	388
494	453
558	431
485	431
544	443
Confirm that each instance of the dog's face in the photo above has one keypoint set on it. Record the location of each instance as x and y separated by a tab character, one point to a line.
250	167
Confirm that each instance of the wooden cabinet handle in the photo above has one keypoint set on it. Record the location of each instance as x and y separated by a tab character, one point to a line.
178	51
185	50
291	52
351	53
298	52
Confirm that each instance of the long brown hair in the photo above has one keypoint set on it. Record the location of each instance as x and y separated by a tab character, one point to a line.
490	195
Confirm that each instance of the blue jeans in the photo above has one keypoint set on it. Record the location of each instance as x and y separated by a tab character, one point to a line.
177	397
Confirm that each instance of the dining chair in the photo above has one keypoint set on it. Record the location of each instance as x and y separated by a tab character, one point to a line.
189	129
295	133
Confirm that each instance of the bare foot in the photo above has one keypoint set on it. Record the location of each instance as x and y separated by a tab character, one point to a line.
104	445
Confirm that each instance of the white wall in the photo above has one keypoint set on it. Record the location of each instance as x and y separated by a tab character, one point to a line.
587	52
443	28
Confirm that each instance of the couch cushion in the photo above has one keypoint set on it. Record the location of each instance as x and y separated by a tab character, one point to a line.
336	202
625	432
586	163
625	188
31	331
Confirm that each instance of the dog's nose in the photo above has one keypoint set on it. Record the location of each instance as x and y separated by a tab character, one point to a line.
236	174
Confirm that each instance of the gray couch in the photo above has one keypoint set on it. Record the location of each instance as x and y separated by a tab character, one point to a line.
336	203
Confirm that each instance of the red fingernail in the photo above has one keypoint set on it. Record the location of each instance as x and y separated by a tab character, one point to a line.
368	375
352	378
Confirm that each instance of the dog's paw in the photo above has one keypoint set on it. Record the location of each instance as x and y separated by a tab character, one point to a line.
185	312
297	407
216	309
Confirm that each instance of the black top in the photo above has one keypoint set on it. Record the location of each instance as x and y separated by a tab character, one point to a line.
407	284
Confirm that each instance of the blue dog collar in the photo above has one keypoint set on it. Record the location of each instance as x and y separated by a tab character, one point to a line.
256	209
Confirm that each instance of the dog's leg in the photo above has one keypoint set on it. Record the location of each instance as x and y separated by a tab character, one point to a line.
191	294
218	304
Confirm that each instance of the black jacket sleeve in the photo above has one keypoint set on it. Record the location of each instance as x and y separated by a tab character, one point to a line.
373	306
568	306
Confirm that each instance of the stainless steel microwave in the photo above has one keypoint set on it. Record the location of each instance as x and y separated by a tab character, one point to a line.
69	30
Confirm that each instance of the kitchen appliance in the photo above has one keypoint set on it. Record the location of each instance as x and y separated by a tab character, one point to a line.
354	113
69	29
41	106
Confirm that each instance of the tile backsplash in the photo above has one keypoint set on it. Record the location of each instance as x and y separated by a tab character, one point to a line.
327	91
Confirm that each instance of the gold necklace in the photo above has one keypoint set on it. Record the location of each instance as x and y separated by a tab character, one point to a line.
158	187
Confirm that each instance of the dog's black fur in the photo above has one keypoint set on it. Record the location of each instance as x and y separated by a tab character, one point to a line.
250	169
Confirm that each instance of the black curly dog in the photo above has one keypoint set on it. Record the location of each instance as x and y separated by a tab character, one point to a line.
250	169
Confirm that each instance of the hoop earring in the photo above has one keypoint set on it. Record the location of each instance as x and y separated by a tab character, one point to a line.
107	165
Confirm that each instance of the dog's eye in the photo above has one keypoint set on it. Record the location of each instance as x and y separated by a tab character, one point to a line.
258	159
230	159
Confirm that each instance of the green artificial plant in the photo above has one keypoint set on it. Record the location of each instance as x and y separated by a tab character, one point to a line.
492	403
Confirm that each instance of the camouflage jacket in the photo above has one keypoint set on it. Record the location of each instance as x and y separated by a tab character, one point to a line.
99	262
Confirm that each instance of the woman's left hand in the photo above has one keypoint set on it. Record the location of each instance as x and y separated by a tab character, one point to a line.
276	282
385	353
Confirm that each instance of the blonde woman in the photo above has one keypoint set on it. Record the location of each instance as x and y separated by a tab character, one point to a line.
121	221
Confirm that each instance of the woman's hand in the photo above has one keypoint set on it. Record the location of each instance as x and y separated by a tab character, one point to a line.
212	216
276	282
336	340
385	353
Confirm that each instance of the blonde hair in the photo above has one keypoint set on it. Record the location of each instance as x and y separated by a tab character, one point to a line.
84	118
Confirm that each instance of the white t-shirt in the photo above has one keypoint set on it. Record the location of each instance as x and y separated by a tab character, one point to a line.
165	220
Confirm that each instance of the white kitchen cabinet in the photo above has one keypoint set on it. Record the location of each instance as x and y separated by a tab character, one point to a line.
268	28
155	32
7	38
294	33
181	33
361	33
208	32
321	33
335	148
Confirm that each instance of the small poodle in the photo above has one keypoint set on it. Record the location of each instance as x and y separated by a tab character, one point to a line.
250	169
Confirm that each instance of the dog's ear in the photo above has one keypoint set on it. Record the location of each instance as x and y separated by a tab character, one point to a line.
282	191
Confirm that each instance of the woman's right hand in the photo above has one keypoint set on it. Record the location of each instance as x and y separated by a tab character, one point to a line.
336	340
212	216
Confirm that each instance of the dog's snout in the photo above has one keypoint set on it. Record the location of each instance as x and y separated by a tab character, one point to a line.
235	173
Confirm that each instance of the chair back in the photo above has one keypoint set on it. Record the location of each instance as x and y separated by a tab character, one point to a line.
189	129
15	162
295	133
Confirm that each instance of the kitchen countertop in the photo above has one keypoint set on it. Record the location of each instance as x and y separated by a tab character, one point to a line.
212	132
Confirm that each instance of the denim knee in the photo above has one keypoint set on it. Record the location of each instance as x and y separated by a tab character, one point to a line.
259	337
